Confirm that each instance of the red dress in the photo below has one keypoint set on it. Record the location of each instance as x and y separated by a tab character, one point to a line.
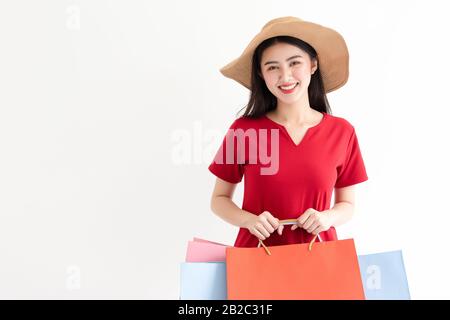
284	178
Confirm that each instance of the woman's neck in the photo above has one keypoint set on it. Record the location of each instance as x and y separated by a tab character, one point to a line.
295	114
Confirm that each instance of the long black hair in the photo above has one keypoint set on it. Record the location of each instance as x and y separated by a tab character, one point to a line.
262	100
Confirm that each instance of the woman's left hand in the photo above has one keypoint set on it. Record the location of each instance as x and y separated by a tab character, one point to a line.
314	221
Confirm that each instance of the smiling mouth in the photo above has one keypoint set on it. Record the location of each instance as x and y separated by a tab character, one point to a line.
288	89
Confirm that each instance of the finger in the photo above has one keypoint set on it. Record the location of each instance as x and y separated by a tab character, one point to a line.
263	230
258	234
294	227
313	227
318	230
275	222
302	219
268	226
267	220
309	223
280	229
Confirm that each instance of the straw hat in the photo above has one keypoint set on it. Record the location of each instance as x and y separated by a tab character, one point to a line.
329	44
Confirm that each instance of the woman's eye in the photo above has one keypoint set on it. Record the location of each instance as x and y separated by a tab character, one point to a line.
274	67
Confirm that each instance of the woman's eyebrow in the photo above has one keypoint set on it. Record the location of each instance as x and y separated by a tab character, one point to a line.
293	57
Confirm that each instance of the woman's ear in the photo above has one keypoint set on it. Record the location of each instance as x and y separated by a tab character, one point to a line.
313	66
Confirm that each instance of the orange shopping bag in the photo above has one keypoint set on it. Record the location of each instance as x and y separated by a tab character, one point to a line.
316	271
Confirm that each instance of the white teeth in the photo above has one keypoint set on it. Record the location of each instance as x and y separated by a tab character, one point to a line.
289	88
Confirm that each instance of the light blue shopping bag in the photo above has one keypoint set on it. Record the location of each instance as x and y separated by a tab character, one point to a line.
384	276
203	281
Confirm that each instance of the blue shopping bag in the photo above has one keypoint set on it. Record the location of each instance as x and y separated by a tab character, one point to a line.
384	276
203	281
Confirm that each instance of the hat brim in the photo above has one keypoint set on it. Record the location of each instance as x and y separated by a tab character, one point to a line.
330	46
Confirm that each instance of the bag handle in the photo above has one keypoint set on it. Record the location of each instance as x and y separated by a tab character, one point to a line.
289	222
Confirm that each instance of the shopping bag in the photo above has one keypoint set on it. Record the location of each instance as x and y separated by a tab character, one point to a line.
207	241
203	281
327	270
384	276
200	250
203	275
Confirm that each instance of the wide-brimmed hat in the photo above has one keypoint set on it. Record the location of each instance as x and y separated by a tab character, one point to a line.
330	46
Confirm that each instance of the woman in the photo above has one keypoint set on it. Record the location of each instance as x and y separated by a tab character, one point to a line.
289	147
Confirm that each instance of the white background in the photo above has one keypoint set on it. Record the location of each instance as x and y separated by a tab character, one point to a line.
98	100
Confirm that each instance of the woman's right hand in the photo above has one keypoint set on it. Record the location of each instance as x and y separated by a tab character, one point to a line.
263	225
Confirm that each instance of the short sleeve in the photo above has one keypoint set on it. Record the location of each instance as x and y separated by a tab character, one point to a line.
226	164
352	170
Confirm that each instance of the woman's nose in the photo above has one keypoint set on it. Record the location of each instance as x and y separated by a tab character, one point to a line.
285	75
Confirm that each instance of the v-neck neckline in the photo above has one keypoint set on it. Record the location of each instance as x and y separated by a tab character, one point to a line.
307	130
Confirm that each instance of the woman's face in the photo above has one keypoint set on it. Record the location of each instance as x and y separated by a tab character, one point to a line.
284	65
